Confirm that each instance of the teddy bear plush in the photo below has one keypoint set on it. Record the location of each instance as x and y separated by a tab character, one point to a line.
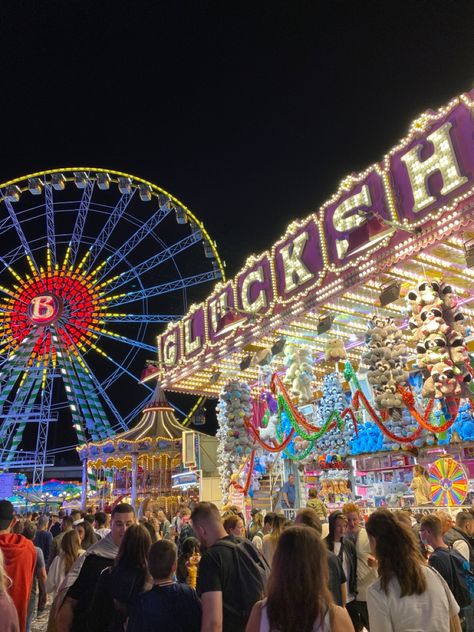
334	350
444	379
426	293
432	321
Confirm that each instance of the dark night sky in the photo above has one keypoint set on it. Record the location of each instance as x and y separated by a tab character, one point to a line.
250	113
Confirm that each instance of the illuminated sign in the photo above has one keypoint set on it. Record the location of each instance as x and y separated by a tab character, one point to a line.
420	186
44	309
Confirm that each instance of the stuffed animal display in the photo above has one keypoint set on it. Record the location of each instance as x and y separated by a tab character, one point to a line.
463	426
438	327
385	358
335	351
234	442
333	398
299	372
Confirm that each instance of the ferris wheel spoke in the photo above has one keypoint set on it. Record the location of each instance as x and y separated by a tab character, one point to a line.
163	288
11	257
118	256
19	232
137	410
78	230
139	318
51	233
108	228
116	337
152	262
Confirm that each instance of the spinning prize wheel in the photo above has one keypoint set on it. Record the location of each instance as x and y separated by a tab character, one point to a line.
92	262
449	483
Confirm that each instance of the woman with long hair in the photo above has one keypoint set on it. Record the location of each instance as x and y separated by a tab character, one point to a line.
297	595
270	540
190	552
421	486
70	550
119	584
408	595
86	533
347	554
8	613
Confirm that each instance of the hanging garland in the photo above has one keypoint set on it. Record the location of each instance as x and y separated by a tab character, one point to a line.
409	402
266	446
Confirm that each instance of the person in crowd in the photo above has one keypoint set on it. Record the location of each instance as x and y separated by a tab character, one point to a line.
150	528
403	517
297	593
255	530
255	524
288	493
169	605
62	563
270	540
55	526
219	579
100	524
366	567
19	556
76	515
43	538
337	578
421	486
317	504
347	555
459	536
86	533
77	590
186	529
447	561
191	549
408	596
164	525
8	613
38	595
66	525
234	526
118	585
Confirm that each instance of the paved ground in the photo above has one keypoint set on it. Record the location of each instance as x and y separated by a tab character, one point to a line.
41	622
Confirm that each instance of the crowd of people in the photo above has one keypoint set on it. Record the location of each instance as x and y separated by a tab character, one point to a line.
202	570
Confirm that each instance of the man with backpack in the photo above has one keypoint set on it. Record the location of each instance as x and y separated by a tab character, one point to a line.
452	566
232	574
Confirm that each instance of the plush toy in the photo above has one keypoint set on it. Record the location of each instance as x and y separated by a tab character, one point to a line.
335	350
432	321
444	379
426	293
299	372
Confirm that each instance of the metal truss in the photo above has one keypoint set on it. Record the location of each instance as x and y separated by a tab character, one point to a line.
80	221
140	318
153	262
51	233
163	288
19	230
134	240
43	428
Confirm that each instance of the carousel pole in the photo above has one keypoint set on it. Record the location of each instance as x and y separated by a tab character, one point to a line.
134	479
84	485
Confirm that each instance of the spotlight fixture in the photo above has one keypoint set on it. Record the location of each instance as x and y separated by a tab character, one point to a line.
215	377
278	346
390	293
103	181
246	362
124	184
35	186
80	179
324	324
144	191
58	181
468	246
13	193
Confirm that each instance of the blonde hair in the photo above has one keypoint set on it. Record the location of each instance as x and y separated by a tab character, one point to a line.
5	581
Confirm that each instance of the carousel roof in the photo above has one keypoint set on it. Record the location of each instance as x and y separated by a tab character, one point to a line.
157	421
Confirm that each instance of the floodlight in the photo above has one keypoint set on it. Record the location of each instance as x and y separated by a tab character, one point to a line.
324	324
390	293
246	362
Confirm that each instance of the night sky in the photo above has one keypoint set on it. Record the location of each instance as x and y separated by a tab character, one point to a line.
250	113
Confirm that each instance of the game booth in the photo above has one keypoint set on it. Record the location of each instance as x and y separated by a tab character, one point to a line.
342	354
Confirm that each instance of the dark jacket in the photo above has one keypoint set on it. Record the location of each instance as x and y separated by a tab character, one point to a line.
348	549
453	535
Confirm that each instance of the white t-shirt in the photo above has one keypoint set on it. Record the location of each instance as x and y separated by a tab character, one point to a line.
428	612
265	625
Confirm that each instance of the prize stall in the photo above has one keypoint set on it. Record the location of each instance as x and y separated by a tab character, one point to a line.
342	354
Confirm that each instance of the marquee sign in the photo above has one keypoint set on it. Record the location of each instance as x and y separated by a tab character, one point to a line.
422	185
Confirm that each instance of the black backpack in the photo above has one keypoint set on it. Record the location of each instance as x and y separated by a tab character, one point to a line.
459	586
252	573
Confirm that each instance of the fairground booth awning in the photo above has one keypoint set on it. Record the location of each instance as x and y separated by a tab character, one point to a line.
404	221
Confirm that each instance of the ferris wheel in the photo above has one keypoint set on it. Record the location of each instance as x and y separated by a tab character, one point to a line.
91	262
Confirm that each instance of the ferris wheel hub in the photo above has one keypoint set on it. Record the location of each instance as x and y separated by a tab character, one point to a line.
45	309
